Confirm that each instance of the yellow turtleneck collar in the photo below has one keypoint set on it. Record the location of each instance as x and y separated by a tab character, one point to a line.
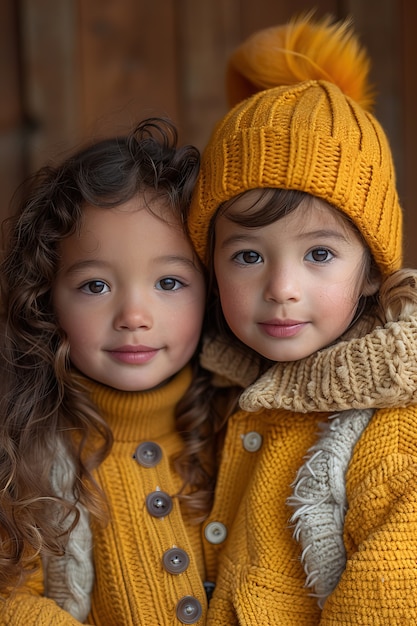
134	415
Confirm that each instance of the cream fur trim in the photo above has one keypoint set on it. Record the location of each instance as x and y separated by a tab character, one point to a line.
319	501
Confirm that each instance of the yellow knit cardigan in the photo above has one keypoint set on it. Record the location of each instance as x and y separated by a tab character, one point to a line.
132	585
261	579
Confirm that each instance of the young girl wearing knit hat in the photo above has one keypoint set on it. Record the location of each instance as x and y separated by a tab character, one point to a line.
297	216
106	431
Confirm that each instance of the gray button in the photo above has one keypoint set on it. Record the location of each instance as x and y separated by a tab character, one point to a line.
159	503
252	441
175	561
189	610
148	454
215	532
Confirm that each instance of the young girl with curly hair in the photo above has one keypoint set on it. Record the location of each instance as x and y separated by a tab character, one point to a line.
297	217
107	437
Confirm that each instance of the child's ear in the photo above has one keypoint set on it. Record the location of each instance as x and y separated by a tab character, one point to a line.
372	284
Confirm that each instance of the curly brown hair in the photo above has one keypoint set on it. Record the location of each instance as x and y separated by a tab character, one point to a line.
43	410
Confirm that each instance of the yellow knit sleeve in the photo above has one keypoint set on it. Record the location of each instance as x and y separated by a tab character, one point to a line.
379	584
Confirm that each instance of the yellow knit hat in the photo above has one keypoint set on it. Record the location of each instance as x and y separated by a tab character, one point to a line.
312	133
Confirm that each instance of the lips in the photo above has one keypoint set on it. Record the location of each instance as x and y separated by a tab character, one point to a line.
282	328
133	355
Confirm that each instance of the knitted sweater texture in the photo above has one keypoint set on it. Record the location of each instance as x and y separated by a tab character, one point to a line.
261	566
132	585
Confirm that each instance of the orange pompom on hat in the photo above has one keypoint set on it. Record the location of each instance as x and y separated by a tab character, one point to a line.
304	123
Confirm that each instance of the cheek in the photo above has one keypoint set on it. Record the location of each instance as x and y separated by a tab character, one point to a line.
353	290
338	308
236	306
237	294
358	283
78	329
346	290
229	295
66	312
192	327
187	321
64	320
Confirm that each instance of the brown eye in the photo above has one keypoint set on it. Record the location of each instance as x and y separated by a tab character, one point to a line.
319	255
95	287
169	284
248	257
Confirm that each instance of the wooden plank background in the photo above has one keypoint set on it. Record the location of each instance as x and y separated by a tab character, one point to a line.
71	70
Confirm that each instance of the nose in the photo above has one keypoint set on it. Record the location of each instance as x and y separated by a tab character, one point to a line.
282	284
133	312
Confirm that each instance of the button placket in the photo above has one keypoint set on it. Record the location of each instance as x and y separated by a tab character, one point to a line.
159	504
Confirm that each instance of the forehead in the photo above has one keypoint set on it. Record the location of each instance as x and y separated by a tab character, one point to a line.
261	203
143	207
133	227
314	213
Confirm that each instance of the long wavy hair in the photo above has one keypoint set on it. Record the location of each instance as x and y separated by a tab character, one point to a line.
395	299
43	411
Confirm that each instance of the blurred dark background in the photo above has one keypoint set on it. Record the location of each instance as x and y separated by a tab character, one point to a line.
71	70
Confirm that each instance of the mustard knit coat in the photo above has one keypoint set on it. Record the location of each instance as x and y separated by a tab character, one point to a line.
148	570
315	517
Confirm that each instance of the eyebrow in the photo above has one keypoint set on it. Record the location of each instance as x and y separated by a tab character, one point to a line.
325	234
86	264
173	259
233	239
317	234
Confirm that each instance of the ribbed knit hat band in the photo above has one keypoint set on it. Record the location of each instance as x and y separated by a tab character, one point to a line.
310	137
